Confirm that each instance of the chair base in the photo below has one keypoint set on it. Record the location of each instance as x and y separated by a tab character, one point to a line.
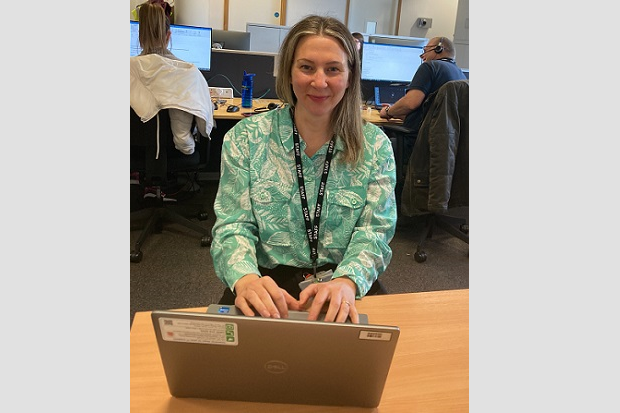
157	215
455	226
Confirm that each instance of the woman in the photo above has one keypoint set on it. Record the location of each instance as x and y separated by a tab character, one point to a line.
306	188
160	80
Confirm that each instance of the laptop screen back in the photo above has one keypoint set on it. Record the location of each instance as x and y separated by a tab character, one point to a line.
255	359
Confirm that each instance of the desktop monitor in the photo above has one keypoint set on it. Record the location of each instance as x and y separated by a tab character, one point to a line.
231	40
390	63
399	40
189	43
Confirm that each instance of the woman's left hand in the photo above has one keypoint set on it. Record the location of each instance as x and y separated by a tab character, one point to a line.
338	294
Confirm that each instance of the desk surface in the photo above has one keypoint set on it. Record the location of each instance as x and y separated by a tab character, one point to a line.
429	372
221	112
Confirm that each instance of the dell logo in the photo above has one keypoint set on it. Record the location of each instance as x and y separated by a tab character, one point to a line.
276	367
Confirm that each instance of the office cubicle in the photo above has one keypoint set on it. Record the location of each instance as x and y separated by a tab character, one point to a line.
227	68
231	39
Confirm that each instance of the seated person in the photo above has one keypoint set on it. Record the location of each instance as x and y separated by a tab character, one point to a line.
160	80
438	67
306	187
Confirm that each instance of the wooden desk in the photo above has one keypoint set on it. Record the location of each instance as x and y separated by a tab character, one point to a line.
429	372
221	112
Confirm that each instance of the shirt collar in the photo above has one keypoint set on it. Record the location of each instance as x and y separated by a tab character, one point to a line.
285	129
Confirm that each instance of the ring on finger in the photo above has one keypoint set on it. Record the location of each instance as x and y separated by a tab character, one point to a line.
346	302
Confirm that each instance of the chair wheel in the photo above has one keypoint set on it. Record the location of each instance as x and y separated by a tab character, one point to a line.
136	256
464	228
420	256
203	216
206	241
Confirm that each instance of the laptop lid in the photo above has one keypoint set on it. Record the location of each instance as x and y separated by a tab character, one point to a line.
255	359
388	94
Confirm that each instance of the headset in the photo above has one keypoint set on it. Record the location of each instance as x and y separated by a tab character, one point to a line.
439	48
270	106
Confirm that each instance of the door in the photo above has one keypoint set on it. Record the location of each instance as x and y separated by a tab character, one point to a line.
241	12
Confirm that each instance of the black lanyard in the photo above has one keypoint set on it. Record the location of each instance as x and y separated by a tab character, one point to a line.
312	231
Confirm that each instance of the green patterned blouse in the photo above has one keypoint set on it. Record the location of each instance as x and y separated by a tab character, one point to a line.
259	219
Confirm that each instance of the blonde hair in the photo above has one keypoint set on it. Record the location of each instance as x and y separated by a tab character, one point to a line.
154	28
346	120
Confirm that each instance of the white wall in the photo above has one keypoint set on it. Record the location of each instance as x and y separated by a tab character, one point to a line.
381	11
443	13
298	9
461	34
210	13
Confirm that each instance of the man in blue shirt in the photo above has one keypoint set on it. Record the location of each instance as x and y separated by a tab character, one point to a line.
438	67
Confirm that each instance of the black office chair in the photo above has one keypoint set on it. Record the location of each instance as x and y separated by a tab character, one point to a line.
396	133
157	162
437	175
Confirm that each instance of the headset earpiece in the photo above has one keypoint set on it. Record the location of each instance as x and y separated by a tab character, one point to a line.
439	48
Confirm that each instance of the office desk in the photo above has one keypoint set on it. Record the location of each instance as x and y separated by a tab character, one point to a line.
221	112
429	372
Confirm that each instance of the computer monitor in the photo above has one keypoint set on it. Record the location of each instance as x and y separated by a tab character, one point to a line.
189	43
231	40
399	40
390	63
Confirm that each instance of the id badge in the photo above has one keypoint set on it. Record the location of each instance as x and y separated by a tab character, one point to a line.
322	276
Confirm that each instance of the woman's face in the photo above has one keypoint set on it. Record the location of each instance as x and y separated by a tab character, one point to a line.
319	75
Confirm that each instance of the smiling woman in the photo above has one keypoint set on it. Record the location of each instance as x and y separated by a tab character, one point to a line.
306	191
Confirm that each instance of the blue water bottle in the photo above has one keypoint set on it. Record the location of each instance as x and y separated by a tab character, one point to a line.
246	89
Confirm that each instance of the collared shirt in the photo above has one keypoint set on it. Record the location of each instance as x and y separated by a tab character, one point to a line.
259	219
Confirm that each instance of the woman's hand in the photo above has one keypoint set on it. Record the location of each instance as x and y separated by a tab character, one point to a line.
264	295
339	297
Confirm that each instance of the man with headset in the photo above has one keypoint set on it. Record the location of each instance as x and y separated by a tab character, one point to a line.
438	67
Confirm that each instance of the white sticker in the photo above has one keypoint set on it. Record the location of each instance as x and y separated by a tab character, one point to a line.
198	331
375	335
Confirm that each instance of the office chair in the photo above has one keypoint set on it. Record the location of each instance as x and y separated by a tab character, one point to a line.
396	133
153	155
437	175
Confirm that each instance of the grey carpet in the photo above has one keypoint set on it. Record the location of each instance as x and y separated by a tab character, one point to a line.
176	272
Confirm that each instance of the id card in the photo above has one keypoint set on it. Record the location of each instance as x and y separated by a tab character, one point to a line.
322	276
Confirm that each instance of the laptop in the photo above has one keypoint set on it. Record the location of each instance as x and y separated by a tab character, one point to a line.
230	356
388	94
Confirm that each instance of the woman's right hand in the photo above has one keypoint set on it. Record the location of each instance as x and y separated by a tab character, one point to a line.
262	294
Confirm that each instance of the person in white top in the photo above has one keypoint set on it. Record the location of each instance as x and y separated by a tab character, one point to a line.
160	80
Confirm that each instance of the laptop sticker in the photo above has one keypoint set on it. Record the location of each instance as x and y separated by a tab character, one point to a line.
199	331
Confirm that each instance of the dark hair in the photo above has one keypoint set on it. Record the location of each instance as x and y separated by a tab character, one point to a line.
346	119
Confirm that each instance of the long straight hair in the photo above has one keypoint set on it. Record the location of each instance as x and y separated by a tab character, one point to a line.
346	119
154	28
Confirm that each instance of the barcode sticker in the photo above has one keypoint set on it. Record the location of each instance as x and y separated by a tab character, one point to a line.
375	335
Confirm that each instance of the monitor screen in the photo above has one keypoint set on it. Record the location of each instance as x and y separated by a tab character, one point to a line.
389	62
189	43
232	40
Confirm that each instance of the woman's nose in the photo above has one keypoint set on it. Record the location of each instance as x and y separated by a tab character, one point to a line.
320	79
